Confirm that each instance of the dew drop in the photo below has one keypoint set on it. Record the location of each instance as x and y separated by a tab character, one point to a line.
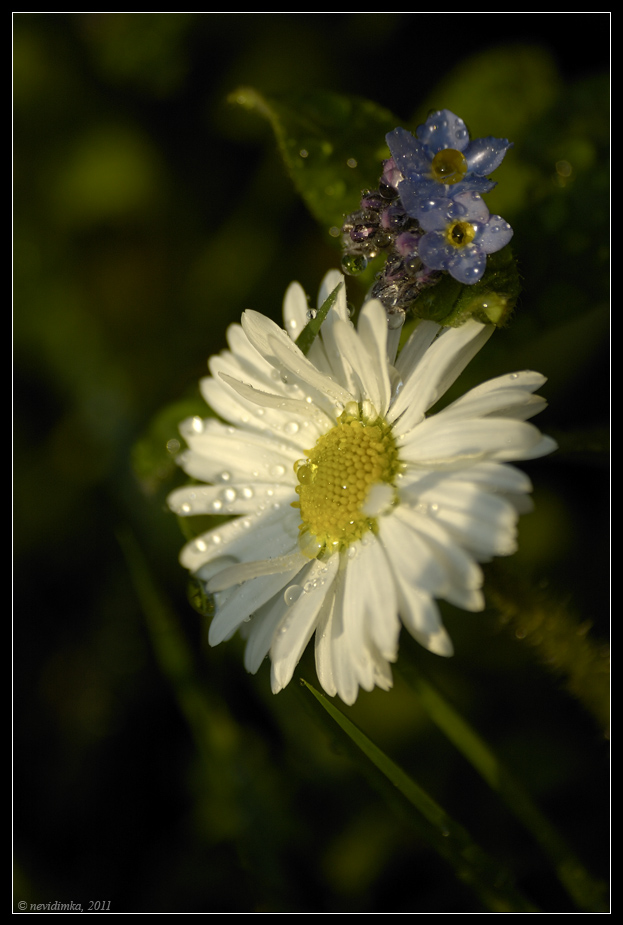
216	505
225	476
197	425
395	319
185	508
291	428
514	376
353	264
247	493
312	313
200	545
277	471
228	495
292	594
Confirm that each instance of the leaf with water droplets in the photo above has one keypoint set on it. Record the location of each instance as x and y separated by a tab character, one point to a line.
155	452
332	145
490	300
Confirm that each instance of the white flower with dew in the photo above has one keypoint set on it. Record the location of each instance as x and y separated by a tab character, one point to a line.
352	510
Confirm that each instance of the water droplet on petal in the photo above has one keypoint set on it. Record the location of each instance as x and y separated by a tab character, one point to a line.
291	428
292	594
395	319
225	476
228	495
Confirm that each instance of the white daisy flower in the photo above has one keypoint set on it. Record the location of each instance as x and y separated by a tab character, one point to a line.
351	509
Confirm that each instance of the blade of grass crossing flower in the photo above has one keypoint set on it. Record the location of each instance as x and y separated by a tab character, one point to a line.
585	892
312	328
485	875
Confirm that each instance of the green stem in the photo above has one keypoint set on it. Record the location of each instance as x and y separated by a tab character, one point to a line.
484	874
587	893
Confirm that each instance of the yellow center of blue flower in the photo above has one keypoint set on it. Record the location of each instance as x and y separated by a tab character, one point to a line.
335	480
458	234
448	166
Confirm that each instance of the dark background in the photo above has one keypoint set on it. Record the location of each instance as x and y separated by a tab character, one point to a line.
148	213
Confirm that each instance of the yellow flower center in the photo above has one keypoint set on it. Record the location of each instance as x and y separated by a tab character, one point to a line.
336	476
458	234
449	166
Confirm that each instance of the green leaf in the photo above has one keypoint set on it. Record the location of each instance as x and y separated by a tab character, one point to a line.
154	453
312	328
332	145
491	299
484	874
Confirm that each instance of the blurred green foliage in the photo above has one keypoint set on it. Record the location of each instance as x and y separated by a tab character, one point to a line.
149	212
